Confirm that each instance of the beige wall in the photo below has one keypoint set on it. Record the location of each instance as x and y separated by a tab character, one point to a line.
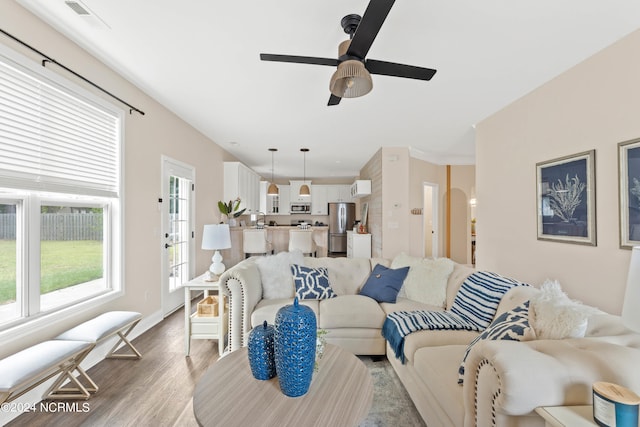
594	105
397	181
147	138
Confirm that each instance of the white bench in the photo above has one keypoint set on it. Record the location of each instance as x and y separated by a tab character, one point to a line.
32	366
105	326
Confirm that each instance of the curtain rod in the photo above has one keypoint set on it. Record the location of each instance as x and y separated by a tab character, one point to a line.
53	61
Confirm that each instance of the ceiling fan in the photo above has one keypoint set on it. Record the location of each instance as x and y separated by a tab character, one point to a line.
353	75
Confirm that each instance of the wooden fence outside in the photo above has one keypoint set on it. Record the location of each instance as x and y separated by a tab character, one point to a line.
58	226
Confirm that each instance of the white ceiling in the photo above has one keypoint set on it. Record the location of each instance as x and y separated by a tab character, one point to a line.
200	58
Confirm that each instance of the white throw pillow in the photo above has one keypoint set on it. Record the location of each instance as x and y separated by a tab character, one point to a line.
275	273
553	315
427	279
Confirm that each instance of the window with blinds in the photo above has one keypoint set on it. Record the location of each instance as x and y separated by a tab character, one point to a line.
60	169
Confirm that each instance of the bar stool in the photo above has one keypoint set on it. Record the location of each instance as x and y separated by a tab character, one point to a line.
254	241
303	241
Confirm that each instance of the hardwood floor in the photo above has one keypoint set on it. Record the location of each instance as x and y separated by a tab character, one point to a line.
152	391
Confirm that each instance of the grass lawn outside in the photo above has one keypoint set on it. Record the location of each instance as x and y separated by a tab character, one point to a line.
63	264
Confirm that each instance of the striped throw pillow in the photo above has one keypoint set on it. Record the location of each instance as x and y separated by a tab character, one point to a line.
479	296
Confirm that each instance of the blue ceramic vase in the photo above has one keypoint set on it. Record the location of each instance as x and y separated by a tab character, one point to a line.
261	352
295	348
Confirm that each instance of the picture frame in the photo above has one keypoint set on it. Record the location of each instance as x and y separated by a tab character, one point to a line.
566	199
629	192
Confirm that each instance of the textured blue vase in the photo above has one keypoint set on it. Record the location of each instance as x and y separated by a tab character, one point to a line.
261	352
295	348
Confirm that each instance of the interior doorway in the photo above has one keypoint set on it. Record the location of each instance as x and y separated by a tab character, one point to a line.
430	219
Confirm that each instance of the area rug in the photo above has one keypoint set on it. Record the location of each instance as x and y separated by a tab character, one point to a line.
391	406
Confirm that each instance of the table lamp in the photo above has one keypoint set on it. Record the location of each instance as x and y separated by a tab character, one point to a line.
614	404
216	237
631	303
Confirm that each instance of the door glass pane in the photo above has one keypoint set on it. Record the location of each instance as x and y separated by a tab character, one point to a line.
178	251
71	254
9	309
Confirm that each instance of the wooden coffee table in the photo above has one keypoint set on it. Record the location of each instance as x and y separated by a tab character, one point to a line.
228	395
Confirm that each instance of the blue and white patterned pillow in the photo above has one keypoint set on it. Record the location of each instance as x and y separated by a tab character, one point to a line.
311	283
479	296
511	325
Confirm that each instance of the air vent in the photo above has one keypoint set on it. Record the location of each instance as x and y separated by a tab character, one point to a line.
77	8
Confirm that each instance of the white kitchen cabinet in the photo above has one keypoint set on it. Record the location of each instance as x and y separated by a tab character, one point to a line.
270	205
339	193
294	192
358	245
240	181
283	200
361	188
319	200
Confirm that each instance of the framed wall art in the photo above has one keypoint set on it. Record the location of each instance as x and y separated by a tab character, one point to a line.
566	199
629	187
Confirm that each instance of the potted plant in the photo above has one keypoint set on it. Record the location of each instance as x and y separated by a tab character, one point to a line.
231	210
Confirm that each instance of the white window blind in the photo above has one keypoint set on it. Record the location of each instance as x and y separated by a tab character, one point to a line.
53	139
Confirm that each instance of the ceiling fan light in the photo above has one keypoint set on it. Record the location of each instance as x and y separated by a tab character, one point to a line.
304	190
351	80
273	190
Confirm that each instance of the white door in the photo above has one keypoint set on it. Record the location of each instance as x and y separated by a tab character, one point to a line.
430	219
178	261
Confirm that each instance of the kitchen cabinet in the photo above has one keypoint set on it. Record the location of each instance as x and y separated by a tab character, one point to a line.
294	192
274	205
319	200
358	245
339	193
361	188
240	181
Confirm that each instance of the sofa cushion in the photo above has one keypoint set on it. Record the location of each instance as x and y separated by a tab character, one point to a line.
384	283
435	338
275	274
437	367
350	311
512	325
346	275
311	283
405	304
427	278
268	308
479	296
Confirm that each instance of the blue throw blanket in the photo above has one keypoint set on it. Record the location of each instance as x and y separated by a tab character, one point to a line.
473	309
399	324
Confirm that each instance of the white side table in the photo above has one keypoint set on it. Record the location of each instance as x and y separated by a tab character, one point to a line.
196	327
567	416
358	245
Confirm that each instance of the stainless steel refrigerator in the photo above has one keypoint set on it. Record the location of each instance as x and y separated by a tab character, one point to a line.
341	218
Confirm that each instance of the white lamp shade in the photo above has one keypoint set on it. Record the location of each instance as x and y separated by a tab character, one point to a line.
631	303
216	236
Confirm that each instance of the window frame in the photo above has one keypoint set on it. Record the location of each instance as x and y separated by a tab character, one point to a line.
28	202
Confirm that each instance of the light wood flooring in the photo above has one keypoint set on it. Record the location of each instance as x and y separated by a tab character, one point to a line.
152	391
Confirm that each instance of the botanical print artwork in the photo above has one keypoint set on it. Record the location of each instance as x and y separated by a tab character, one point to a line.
629	163
566	195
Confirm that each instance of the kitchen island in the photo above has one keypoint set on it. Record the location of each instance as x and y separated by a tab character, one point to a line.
279	238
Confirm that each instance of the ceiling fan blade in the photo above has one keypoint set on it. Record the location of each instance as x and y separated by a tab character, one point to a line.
398	70
369	26
334	100
299	59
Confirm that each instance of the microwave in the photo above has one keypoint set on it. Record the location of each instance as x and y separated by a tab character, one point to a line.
300	208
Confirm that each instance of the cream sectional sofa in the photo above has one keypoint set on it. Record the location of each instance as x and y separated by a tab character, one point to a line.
504	381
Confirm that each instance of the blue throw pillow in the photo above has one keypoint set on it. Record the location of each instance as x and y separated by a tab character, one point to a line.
311	283
384	283
512	325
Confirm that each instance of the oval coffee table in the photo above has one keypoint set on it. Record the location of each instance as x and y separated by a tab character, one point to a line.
228	395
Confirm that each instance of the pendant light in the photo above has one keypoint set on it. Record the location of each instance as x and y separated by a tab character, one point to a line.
304	188
273	188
